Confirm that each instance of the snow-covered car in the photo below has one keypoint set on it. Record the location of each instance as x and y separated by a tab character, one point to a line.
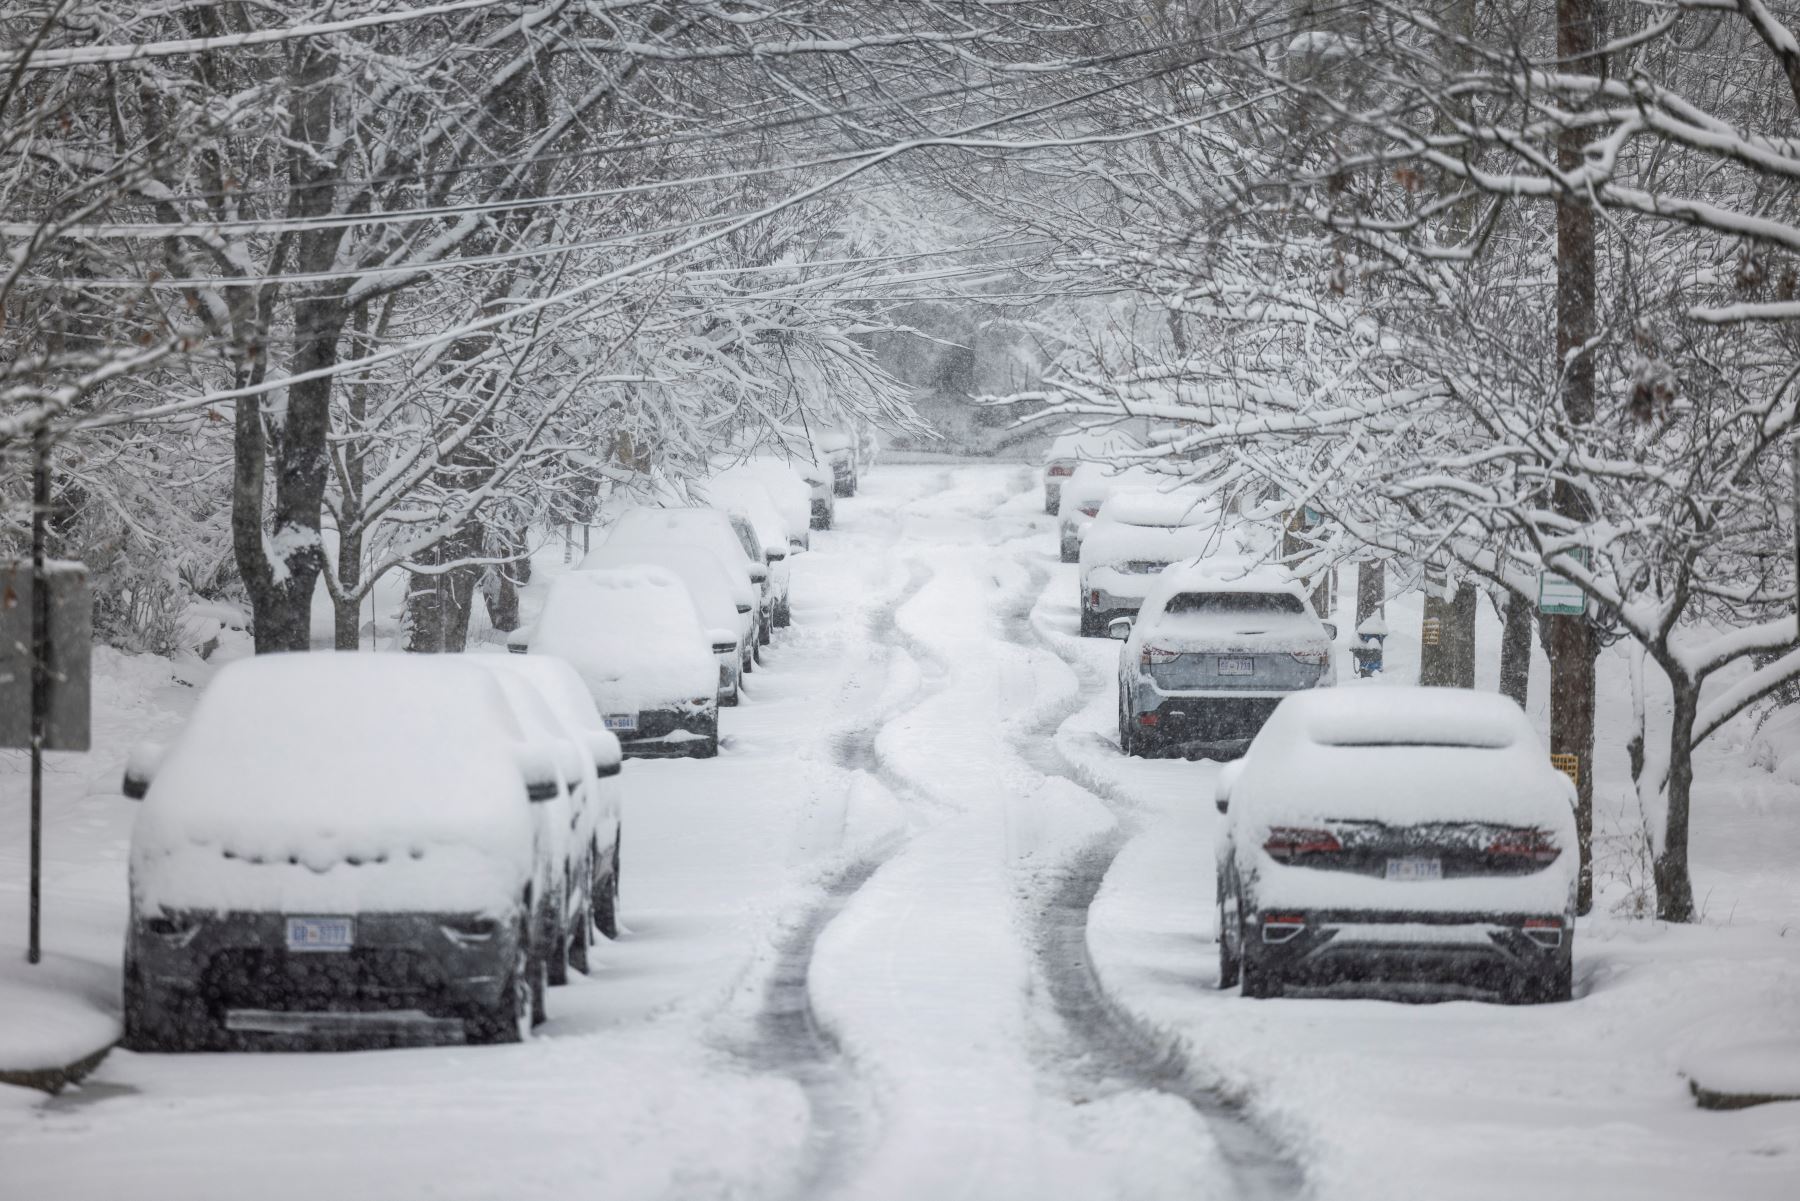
1083	494
1137	533
1405	835
706	529
1215	647
1068	450
760	529
652	671
340	845
720	598
839	448
819	478
791	496
561	707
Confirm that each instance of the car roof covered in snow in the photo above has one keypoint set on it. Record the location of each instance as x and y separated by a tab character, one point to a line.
1401	755
563	689
715	589
736	488
1089	442
1220	575
632	633
1133	505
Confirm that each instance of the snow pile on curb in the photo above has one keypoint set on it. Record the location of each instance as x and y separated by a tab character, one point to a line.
58	1013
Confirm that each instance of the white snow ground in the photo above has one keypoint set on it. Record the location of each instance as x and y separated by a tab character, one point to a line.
922	768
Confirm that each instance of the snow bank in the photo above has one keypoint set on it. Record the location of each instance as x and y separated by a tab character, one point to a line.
56	1012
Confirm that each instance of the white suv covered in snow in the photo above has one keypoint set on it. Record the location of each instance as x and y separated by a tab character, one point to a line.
1409	835
1137	533
340	845
1216	646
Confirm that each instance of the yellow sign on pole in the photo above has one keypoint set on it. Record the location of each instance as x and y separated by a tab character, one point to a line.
1568	765
1431	631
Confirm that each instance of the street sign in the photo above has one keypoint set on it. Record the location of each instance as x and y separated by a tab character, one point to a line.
1568	765
71	646
1431	631
1560	596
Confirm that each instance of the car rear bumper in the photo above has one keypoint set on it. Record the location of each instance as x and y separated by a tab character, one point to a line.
404	976
1204	722
1476	950
667	731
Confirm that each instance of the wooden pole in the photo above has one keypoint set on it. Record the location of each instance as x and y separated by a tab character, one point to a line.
40	674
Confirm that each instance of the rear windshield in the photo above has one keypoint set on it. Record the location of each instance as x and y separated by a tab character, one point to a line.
1234	602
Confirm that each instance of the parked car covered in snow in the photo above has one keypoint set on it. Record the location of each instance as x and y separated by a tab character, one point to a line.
841	450
720	597
760	529
1406	835
791	495
1070	449
340	845
1215	647
709	530
652	671
1137	533
1083	494
561	707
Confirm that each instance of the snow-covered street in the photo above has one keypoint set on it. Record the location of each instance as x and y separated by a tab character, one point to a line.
921	932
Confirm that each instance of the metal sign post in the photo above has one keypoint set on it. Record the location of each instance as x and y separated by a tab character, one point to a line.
1560	596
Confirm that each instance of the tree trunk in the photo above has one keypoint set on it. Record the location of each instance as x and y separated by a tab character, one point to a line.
1459	635
1515	648
1571	642
1674	890
348	610
1434	658
437	603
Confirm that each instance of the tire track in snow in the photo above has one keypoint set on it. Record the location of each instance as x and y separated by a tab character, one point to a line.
787	1038
1114	1048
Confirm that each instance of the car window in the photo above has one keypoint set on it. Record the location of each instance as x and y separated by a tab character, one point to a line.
1234	602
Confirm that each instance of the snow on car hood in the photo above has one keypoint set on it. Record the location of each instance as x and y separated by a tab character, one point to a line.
339	783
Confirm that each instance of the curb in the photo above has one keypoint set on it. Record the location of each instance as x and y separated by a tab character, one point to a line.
1707	1098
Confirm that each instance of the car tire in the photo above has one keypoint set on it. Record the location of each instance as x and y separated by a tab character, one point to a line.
1128	743
784	616
1090	625
707	747
581	937
510	1018
555	942
765	634
1229	966
1256	979
1553	989
1071	551
606	897
165	1023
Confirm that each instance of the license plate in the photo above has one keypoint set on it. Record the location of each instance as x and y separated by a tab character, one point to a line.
321	933
1415	869
1237	667
621	721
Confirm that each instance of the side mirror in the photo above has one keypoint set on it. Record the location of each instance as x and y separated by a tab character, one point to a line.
795	546
140	769
774	556
758	572
1330	629
538	767
1119	628
1223	784
603	745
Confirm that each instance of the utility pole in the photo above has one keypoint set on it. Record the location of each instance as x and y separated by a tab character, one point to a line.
1570	640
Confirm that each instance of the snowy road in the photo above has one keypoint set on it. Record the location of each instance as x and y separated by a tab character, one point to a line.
919	932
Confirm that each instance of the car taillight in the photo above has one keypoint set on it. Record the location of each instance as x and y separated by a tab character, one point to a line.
1280	927
1090	510
1151	655
1532	844
1312	658
1287	843
469	932
1149	719
1546	931
702	700
1061	469
1093	598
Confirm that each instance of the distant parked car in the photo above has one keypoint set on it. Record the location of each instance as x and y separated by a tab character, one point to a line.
1215	647
838	447
591	884
723	601
651	670
340	845
707	529
760	529
1405	835
1072	448
819	477
1137	533
1083	494
791	496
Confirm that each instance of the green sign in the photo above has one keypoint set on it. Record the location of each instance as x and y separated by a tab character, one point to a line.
1560	596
